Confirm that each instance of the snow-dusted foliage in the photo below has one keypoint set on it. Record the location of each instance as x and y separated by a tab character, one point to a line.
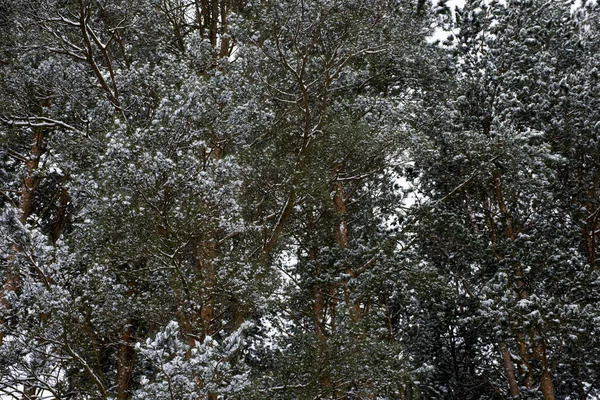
507	221
286	199
180	369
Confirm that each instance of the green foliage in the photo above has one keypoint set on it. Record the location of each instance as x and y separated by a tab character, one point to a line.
299	199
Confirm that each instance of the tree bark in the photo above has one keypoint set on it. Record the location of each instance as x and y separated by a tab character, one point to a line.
591	229
509	370
31	181
204	264
319	310
214	22
28	188
126	360
341	238
225	41
546	380
522	292
61	215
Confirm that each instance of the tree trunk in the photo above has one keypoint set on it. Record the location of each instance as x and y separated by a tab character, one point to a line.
61	215
225	42
546	379
204	265
522	292
319	311
525	361
339	206
31	181
126	360
591	228
509	370
214	22
28	187
341	238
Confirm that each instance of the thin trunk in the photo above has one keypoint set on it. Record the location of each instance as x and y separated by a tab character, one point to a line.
61	215
318	310
31	180
90	41
525	361
509	370
589	244
286	213
546	379
591	228
318	301
322	347
199	15
204	265
522	292
225	42
524	365
205	262
341	238
126	359
205	20
207	310
214	22
520	286
177	31
339	206
28	187
471	214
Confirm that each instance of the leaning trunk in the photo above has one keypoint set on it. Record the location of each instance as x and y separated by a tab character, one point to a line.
509	370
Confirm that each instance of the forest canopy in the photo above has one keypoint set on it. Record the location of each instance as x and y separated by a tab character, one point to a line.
299	199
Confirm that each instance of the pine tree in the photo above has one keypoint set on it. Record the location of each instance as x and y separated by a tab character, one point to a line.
501	231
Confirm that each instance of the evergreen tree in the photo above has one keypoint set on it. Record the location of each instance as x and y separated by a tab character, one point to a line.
497	224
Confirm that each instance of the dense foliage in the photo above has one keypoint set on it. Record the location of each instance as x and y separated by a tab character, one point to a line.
288	199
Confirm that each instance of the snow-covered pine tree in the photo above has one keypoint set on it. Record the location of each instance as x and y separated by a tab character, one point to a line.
122	215
498	224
